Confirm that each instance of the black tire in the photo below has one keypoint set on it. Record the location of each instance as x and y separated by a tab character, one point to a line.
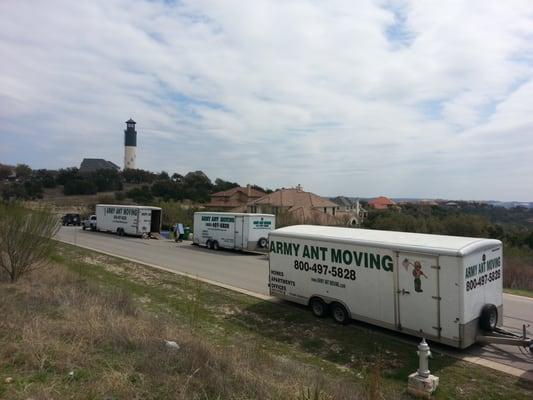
262	243
318	307
209	244
120	232
83	227
488	319
215	245
340	314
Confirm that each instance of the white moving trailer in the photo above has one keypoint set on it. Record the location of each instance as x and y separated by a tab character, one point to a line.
128	220
444	288
239	231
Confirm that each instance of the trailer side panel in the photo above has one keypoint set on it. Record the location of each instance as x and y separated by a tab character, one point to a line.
361	278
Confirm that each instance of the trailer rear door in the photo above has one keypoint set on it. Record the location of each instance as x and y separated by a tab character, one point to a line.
239	231
418	297
145	221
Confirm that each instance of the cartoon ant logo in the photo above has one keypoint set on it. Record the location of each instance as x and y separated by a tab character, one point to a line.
417	273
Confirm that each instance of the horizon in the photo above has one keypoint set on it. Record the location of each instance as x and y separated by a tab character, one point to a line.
397	98
351	196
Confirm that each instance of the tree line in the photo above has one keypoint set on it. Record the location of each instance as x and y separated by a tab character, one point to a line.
484	222
28	184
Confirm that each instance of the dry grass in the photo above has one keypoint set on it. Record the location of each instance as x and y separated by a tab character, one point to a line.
65	337
106	320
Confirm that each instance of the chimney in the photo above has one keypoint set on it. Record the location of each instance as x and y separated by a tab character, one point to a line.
249	190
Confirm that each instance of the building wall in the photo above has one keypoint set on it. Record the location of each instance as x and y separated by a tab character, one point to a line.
130	157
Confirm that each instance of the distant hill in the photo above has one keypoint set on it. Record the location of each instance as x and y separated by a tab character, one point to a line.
495	203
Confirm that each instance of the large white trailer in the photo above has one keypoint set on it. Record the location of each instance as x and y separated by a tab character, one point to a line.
128	220
239	231
444	288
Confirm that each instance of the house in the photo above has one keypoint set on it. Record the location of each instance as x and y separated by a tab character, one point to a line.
381	203
235	199
95	164
352	208
344	203
299	206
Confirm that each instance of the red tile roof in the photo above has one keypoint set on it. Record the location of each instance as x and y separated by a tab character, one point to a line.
293	198
244	190
235	197
381	203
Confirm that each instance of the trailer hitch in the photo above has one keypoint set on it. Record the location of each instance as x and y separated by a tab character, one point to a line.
503	336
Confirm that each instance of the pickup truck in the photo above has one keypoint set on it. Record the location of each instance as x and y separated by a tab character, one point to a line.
89	223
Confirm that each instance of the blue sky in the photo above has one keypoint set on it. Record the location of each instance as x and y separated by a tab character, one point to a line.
400	98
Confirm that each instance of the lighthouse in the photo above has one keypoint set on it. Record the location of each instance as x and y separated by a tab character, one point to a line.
130	145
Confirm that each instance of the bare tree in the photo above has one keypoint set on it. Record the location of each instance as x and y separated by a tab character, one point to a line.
26	239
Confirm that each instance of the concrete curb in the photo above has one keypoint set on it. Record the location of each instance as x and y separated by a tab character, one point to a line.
518	296
526	375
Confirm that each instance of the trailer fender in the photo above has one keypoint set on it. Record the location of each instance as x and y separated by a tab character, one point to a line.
319	307
340	313
331	302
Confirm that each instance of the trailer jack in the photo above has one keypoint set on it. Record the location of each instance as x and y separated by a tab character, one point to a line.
503	336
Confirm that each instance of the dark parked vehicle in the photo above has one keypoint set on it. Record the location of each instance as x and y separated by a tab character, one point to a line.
72	219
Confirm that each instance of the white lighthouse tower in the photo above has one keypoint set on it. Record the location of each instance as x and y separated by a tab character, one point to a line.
130	145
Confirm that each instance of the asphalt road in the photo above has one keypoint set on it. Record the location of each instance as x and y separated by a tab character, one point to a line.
250	272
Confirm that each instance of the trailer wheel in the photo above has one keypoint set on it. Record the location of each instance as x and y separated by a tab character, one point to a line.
262	243
215	245
488	318
83	227
209	244
318	307
340	315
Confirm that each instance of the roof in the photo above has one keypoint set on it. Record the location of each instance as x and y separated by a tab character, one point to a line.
130	121
222	203
236	214
229	192
94	164
123	206
381	202
294	198
343	201
403	241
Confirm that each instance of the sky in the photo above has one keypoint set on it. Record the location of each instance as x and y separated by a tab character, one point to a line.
428	99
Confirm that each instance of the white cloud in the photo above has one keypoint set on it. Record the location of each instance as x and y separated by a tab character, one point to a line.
403	98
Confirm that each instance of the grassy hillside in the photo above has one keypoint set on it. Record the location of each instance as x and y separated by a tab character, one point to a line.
95	327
